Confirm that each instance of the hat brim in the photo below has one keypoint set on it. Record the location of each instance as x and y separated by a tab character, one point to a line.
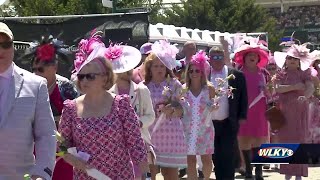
280	59
263	55
129	59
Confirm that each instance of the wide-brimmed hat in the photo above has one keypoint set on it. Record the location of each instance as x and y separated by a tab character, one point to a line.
145	49
315	55
123	58
252	46
296	51
166	53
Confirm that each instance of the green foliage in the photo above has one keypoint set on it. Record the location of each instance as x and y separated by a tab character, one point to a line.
57	7
224	16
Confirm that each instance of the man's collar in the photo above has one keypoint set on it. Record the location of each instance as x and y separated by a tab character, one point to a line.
8	73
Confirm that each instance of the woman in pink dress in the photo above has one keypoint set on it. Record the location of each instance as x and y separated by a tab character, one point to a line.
199	135
315	105
294	86
101	124
252	133
168	136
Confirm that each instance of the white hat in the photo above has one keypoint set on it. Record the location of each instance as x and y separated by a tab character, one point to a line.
123	58
6	30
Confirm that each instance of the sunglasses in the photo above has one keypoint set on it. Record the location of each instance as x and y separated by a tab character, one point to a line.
38	69
217	57
6	45
89	76
192	71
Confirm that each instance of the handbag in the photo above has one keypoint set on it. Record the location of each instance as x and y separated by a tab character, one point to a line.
276	118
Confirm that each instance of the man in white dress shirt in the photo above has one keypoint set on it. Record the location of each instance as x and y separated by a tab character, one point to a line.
26	120
230	113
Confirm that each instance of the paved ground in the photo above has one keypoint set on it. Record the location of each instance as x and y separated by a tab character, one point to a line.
314	174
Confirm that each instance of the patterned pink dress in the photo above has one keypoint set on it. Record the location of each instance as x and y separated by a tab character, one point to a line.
315	120
168	139
199	137
113	141
296	114
256	124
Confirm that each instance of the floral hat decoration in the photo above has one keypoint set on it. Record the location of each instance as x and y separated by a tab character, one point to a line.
85	48
47	50
315	55
166	53
252	45
123	58
200	60
296	51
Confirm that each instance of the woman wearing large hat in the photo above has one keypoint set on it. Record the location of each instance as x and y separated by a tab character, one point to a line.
44	61
294	86
252	58
123	64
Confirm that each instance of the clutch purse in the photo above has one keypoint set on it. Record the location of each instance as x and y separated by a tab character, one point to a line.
275	117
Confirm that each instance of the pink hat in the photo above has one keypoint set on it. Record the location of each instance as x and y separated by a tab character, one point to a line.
315	55
166	53
200	60
145	48
85	47
297	51
252	46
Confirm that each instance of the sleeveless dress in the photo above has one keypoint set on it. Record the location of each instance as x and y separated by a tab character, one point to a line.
256	124
112	141
199	137
168	139
296	114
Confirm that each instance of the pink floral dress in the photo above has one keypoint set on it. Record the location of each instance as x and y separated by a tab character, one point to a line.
199	137
315	119
168	139
296	114
113	141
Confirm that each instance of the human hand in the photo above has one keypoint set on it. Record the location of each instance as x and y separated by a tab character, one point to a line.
302	98
144	167
76	162
214	107
36	177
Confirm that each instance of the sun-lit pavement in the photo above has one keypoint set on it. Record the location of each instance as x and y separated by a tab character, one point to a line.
314	174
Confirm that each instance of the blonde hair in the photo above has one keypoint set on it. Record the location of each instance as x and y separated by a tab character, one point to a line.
204	79
147	67
106	70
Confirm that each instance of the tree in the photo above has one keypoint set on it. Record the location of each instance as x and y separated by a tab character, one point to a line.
57	7
222	15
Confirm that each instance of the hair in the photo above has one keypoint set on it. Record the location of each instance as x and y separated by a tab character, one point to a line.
190	43
147	67
285	63
37	61
314	63
204	79
106	69
216	49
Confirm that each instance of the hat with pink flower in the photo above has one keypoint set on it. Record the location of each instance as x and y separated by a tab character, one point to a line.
200	60
296	51
166	53
123	58
252	45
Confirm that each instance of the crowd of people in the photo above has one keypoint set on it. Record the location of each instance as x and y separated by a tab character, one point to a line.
297	16
129	113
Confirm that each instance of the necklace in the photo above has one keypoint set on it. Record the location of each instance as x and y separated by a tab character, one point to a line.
51	86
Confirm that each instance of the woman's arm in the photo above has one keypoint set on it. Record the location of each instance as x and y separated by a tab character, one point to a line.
147	114
287	88
309	90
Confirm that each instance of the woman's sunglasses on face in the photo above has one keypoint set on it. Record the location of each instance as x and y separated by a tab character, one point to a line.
37	69
89	76
6	45
194	71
